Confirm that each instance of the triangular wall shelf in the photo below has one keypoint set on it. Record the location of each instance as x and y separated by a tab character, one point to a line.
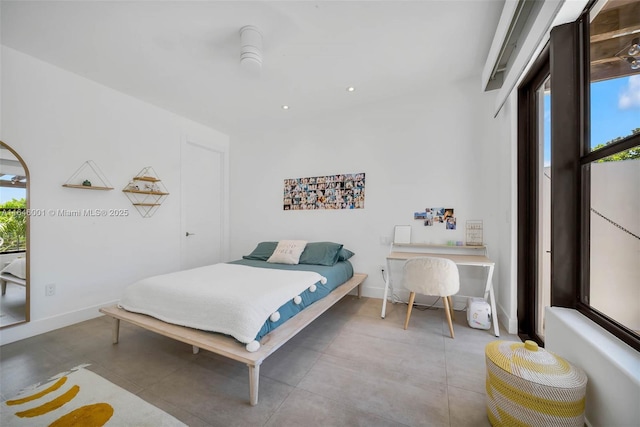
88	177
146	192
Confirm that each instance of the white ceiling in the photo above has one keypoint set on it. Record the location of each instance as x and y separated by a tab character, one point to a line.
184	55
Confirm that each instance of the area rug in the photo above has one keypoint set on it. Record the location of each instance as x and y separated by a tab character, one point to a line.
80	398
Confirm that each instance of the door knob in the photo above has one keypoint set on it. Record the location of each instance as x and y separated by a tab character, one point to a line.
190	234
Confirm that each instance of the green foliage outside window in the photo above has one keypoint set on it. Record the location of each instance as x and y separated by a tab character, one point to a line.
13	225
630	154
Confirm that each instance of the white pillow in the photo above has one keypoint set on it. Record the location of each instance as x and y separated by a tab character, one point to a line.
287	252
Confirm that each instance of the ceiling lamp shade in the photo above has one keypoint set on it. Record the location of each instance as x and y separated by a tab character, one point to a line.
634	49
631	54
634	63
250	49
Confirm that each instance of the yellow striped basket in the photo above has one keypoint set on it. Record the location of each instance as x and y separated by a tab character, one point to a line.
529	386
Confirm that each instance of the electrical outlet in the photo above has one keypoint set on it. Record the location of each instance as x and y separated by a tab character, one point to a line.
50	289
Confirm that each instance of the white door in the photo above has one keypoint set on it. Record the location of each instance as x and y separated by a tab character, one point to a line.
204	208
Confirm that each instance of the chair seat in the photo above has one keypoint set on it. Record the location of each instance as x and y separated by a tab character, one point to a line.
431	276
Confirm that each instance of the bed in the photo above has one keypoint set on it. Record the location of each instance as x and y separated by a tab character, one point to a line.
320	276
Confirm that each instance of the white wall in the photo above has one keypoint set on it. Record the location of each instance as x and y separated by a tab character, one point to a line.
440	148
505	150
56	121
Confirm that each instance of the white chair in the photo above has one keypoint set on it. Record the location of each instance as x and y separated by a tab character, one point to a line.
431	276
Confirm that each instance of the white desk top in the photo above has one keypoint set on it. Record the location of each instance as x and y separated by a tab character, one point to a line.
438	246
458	259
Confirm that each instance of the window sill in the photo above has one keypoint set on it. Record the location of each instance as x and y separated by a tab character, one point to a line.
612	367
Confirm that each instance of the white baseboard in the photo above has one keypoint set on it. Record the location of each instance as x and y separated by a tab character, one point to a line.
372	292
459	303
511	323
41	326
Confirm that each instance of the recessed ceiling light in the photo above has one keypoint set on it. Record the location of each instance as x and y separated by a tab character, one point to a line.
285	107
351	89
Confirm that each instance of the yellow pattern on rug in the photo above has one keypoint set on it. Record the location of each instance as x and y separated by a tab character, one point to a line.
80	398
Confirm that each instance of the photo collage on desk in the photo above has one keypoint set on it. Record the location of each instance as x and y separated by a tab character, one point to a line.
437	217
342	191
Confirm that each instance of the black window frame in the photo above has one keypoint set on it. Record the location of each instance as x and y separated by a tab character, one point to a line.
571	186
528	198
569	65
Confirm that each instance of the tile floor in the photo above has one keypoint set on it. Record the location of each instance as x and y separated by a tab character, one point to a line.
348	368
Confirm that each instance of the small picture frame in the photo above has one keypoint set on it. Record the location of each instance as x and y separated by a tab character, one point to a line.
402	234
474	233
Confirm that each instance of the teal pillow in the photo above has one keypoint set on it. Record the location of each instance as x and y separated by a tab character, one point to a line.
263	251
345	254
320	253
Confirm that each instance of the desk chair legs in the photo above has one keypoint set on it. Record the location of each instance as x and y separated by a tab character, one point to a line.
448	307
412	297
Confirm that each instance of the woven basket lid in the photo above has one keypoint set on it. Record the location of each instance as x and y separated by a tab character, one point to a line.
528	361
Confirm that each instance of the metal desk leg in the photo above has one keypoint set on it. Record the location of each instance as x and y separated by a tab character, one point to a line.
384	298
492	300
386	292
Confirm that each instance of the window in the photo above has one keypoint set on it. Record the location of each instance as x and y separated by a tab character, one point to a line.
13	203
594	67
611	166
614	239
13	220
534	197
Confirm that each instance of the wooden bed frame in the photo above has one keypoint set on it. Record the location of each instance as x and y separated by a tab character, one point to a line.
227	346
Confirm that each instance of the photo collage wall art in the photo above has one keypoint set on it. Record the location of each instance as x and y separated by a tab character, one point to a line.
343	191
437	216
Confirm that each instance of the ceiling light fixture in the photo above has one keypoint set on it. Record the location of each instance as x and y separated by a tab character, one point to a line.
250	49
351	89
285	107
635	47
631	54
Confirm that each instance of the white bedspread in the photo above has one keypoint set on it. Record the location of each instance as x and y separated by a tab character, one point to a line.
231	299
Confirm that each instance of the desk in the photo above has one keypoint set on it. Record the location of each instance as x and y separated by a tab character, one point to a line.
474	260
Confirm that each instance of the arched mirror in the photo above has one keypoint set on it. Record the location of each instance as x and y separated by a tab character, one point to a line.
14	238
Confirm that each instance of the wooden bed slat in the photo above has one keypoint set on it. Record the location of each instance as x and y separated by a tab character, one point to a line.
227	346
